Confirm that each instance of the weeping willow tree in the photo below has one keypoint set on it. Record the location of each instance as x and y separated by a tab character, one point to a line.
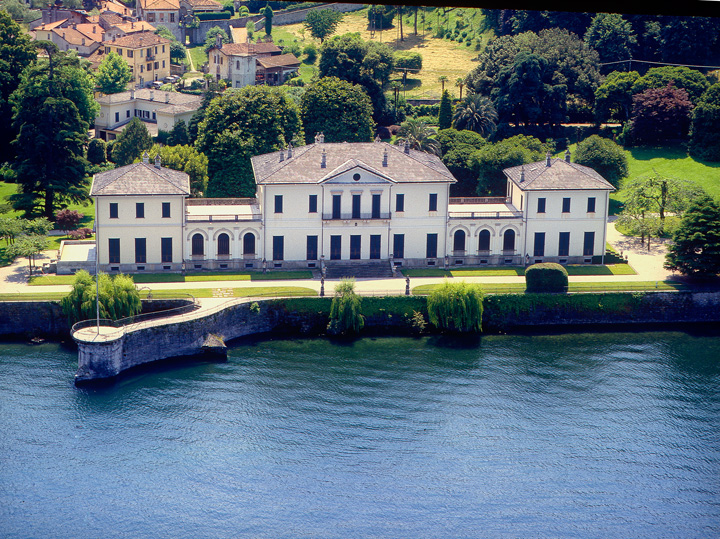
345	315
119	298
456	307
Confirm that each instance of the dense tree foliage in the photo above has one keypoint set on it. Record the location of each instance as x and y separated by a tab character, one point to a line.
456	307
211	37
659	116
695	249
419	136
345	310
342	111
17	51
457	148
704	132
239	124
131	143
322	23
179	134
613	98
96	151
113	74
445	114
476	113
489	161
612	37
118	298
604	156
53	109
185	159
177	50
691	80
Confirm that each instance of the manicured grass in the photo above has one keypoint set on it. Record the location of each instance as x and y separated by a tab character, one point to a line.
149	278
519	288
515	271
229	293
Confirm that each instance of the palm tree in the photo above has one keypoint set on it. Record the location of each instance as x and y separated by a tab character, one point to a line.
476	113
419	136
460	83
442	79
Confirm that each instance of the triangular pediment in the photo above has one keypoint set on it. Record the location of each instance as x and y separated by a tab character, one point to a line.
354	171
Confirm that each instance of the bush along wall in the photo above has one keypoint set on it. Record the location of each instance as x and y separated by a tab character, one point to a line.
546	277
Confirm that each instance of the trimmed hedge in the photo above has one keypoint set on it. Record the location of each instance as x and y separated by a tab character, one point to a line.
213	15
546	277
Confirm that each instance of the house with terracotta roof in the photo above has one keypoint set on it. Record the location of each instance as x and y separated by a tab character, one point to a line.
248	63
341	206
147	54
160	12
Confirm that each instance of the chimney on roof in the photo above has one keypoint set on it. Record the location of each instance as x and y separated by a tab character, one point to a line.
321	138
282	156
323	159
407	147
152	95
547	159
132	93
146	158
290	148
567	155
385	156
157	161
167	97
522	174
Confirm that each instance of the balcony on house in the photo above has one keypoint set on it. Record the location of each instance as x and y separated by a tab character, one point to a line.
482	208
204	210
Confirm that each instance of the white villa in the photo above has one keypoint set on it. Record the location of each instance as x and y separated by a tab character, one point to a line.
348	204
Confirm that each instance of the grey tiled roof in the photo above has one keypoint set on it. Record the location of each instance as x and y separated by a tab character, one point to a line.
157	96
304	165
559	175
140	179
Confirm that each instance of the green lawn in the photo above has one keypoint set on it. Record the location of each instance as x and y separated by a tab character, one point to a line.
518	288
515	271
149	278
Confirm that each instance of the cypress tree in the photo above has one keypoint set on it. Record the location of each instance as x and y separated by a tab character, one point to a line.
446	112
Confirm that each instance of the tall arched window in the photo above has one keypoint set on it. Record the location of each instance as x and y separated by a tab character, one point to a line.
484	240
223	245
198	245
249	244
459	240
509	240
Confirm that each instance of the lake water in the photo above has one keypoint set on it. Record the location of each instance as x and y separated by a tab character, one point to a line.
586	435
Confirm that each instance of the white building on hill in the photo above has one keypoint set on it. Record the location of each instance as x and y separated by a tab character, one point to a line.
342	204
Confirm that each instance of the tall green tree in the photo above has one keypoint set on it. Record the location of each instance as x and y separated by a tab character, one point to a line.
113	74
659	115
186	159
118	298
456	307
17	51
419	136
342	111
131	143
612	37
691	80
704	132
53	109
242	123
322	23
445	114
345	310
476	113
268	14
695	249
613	98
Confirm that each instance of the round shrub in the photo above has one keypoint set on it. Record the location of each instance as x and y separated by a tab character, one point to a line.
546	277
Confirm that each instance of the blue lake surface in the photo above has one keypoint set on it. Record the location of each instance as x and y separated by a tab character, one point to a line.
583	435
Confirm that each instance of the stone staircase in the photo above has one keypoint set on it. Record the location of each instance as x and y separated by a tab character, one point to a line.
364	269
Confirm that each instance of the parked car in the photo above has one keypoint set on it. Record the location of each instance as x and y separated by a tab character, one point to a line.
156	84
172	79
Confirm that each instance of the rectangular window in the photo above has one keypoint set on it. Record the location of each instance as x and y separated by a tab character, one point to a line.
433	202
356	206
157	65
591	205
278	204
399	202
117	117
139	210
355	247
539	248
564	244
336	205
398	246
376	206
166	250
166	210
312	204
278	247
541	205
566	205
589	244
375	242
113	210
140	251
130	54
114	250
312	247
335	247
172	19
431	249
127	113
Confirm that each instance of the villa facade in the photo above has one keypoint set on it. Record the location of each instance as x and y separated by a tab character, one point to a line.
349	203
